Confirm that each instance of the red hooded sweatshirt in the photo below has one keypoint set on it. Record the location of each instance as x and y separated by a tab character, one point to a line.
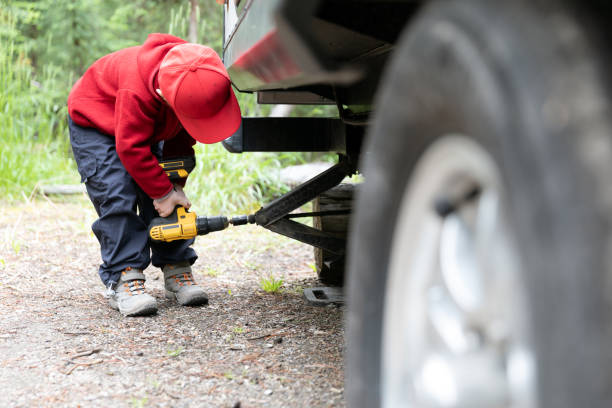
116	95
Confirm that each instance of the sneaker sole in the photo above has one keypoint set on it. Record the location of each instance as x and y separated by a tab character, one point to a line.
113	304
194	301
144	310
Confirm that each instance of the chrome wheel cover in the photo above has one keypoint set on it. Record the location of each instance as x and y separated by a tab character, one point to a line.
455	326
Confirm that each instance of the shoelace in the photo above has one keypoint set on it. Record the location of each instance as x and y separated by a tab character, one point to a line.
184	279
134	287
110	291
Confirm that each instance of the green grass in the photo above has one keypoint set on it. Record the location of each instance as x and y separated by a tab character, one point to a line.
16	246
212	272
139	402
271	284
34	148
224	182
175	352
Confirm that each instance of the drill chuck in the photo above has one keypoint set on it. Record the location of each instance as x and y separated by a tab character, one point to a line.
204	225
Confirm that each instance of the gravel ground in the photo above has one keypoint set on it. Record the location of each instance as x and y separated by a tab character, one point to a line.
61	345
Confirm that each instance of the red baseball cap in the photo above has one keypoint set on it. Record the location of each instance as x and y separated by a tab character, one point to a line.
196	85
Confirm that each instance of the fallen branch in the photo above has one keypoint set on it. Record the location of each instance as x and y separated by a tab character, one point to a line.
321	366
14	289
75	333
90	363
62	189
209	374
266	336
85	353
250	357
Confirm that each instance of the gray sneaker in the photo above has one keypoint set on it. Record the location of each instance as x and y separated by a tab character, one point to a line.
181	286
128	295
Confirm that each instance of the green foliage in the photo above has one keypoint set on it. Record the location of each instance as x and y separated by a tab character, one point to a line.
271	284
209	23
68	34
235	183
32	115
71	34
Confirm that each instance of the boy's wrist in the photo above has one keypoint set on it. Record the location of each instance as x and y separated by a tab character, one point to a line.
163	198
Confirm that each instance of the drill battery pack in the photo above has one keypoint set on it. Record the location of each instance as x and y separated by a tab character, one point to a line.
178	168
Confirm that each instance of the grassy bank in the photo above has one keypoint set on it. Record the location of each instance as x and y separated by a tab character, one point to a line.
32	122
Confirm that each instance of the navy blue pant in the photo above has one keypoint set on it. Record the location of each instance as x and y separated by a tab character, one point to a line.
125	211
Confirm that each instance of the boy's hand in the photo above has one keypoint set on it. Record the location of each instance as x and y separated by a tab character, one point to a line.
165	206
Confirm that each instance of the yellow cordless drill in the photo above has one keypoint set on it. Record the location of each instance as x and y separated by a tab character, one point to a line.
182	224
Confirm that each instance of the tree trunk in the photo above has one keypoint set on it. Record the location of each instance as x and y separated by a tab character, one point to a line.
193	22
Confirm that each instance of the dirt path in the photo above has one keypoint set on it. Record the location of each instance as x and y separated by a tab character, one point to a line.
61	345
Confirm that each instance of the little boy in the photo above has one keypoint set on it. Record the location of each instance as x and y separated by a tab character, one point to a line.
130	109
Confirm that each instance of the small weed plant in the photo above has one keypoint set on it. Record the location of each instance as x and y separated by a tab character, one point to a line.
271	284
175	352
139	402
213	273
16	246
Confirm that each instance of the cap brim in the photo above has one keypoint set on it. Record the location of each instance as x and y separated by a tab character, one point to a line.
216	128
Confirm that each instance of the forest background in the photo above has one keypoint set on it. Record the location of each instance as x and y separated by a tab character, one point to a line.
46	45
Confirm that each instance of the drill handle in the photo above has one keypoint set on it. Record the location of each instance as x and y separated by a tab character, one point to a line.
169	220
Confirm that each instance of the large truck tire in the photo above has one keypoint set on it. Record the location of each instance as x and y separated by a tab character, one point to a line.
479	269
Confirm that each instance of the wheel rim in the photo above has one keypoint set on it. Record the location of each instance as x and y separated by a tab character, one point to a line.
455	328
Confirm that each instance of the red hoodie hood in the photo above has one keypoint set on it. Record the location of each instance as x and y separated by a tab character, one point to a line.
151	53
